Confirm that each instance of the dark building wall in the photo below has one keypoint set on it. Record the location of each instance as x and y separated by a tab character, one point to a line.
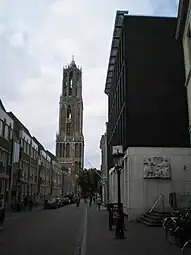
147	103
156	97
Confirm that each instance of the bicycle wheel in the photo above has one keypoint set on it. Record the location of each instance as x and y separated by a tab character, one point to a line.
169	237
186	249
169	227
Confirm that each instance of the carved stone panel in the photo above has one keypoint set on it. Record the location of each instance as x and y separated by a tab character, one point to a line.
156	167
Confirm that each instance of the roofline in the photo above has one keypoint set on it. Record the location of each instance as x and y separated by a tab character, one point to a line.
2	106
52	156
41	147
20	124
181	19
114	45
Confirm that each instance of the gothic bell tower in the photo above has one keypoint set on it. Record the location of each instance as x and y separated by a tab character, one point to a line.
70	139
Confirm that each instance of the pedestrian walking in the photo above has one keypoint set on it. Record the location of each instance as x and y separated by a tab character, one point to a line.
77	200
99	202
90	204
25	203
2	210
30	204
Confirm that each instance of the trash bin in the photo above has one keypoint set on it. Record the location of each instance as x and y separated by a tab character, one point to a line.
112	209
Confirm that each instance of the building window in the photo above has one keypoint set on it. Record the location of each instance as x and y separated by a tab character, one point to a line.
63	148
76	150
1	128
10	133
3	157
78	119
24	146
6	135
68	128
80	151
27	146
189	32
57	149
67	150
60	151
70	83
69	112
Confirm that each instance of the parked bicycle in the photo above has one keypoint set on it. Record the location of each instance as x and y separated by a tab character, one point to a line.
178	230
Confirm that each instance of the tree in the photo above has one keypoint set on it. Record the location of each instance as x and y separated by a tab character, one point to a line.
89	181
83	181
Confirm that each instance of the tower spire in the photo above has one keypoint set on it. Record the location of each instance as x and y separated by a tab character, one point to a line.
73	57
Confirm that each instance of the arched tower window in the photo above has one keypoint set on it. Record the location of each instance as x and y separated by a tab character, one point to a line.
67	150
64	84
57	149
76	150
70	83
64	149
77	119
80	150
69	112
60	154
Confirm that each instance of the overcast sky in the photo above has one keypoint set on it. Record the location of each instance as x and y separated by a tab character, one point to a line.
38	38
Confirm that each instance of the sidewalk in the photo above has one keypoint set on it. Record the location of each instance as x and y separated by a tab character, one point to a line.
14	215
140	239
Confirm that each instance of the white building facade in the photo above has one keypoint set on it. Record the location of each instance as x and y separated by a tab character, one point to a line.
149	173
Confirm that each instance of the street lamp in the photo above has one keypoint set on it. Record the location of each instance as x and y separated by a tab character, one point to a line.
117	153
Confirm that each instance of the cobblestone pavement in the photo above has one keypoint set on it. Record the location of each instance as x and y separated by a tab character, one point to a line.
140	239
46	232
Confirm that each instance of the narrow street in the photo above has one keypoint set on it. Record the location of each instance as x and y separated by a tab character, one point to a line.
78	231
44	232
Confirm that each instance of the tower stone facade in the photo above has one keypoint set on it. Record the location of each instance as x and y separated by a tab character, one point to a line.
70	139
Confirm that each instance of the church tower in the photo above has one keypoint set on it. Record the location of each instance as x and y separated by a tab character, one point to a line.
70	140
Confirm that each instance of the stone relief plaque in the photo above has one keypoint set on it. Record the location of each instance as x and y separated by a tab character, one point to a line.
156	167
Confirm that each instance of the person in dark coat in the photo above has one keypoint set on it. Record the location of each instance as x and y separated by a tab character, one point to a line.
2	211
30	203
25	202
90	204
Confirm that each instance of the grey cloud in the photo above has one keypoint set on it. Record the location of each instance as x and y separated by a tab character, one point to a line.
44	35
15	67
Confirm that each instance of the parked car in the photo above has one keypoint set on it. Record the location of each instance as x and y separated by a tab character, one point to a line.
66	200
50	204
71	197
59	201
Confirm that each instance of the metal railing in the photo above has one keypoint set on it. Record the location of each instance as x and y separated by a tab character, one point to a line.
161	197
